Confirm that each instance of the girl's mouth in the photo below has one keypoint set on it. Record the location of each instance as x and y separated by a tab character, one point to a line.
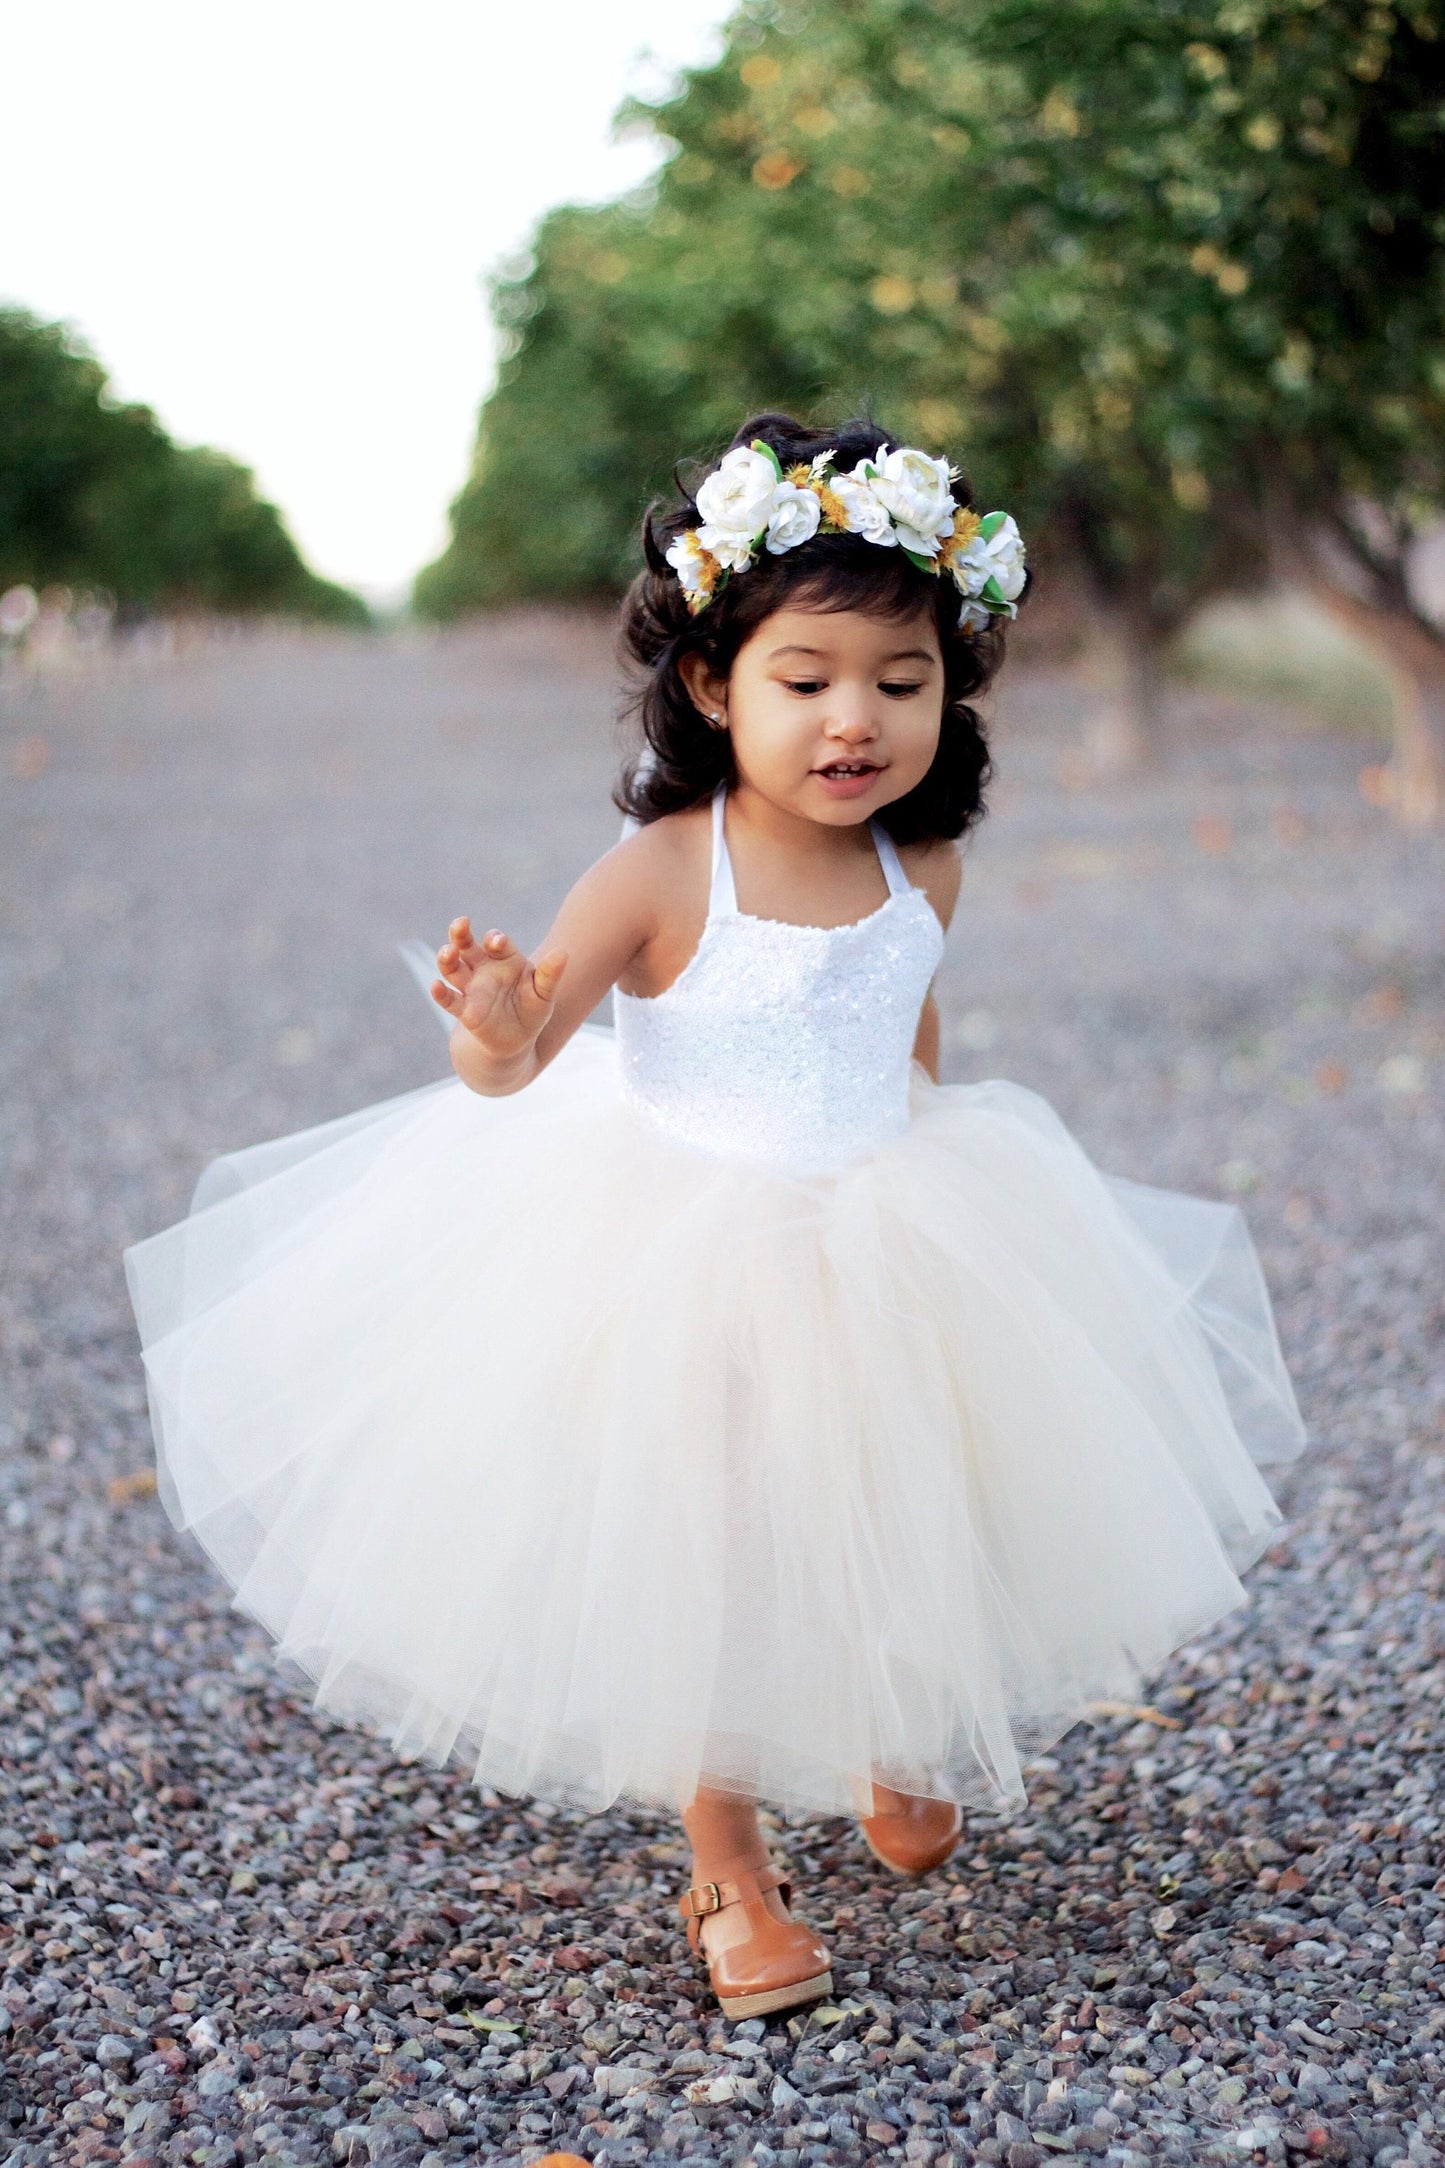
847	778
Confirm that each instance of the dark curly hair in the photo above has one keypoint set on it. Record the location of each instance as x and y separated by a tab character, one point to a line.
685	759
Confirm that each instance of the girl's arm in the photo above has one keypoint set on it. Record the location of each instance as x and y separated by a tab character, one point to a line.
514	1015
926	1044
937	869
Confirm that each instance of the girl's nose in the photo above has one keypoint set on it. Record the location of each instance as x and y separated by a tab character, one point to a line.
851	722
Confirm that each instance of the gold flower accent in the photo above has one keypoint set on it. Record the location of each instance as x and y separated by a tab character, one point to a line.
965	527
835	517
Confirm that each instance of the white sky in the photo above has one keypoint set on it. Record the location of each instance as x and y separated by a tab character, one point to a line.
272	221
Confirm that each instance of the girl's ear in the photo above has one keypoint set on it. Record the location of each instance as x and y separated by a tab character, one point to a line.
707	692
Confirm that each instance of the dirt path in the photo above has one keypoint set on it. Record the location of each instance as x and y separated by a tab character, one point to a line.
230	1932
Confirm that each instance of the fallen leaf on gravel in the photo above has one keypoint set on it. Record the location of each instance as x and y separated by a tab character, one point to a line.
1141	1711
121	1489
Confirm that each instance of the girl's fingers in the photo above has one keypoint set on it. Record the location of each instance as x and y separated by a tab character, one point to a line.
464	941
477	975
452	966
461	946
538	987
547	974
461	953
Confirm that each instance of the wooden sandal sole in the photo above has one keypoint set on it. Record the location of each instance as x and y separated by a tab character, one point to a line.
777	1998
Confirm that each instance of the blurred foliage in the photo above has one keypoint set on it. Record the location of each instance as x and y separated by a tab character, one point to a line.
1285	649
1159	272
1260	186
95	494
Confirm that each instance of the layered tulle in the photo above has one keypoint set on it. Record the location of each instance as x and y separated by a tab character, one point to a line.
615	1467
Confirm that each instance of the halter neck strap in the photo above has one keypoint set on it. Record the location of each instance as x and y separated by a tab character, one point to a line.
722	901
888	858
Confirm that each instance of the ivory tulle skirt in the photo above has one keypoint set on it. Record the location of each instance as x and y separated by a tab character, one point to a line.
537	1439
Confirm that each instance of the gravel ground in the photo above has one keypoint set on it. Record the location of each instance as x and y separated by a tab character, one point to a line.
228	1932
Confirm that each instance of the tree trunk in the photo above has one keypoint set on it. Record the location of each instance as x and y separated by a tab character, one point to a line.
1124	677
1412	784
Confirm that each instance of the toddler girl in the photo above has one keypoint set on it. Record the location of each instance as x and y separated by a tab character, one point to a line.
719	1410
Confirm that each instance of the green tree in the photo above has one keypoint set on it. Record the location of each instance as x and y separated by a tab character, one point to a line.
1268	179
94	493
1165	272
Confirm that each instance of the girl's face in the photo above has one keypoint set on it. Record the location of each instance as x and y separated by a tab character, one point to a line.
833	714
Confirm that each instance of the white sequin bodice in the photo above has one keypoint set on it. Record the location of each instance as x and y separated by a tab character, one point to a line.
782	1043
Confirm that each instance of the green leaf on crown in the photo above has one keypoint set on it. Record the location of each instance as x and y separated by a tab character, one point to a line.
916	557
769	454
989	525
992	592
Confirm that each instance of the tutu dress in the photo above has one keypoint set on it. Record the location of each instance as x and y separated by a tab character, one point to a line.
733	1405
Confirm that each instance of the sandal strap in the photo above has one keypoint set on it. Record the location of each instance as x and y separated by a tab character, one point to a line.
705	1898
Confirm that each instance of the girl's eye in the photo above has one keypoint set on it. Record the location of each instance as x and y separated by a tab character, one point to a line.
895	688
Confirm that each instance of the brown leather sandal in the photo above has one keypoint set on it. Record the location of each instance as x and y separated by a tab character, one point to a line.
782	1963
916	1836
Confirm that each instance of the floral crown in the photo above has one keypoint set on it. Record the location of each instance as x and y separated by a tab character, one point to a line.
898	499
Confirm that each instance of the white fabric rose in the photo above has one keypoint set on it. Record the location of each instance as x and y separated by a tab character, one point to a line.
996	553
732	550
974	616
918	492
1006	548
794	517
688	561
737	498
864	513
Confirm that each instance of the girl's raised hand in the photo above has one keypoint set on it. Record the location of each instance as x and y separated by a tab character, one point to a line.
495	992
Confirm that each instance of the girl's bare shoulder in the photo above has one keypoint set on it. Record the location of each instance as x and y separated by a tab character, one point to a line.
659	858
937	868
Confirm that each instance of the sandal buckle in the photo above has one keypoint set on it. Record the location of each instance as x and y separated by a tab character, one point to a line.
706	1899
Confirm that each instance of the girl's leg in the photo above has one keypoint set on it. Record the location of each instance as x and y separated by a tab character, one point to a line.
908	1833
759	1958
726	1840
